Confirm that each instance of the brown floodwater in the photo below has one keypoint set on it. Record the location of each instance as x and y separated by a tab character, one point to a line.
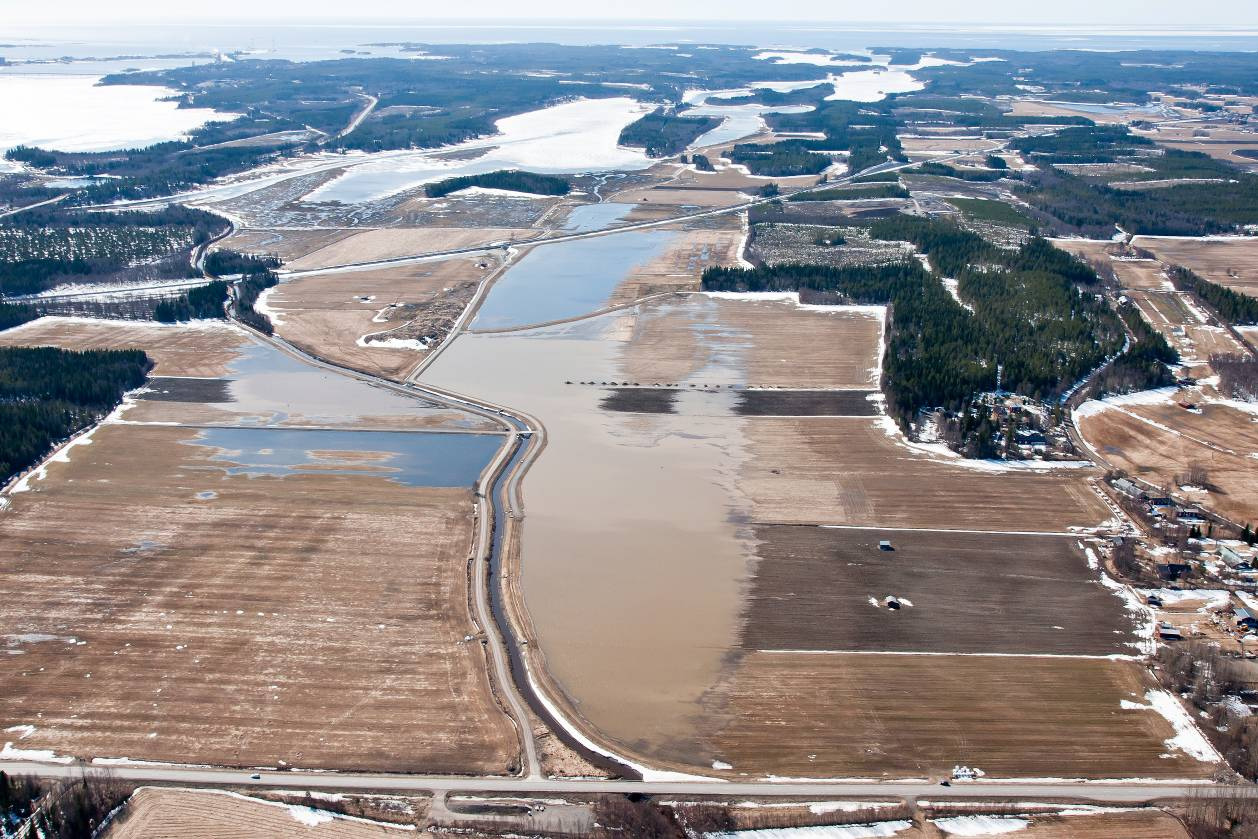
635	555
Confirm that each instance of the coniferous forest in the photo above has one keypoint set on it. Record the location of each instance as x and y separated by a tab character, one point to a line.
48	394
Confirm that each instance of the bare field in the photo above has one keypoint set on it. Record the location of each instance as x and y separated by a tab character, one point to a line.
390	243
1229	262
849	471
943	145
1196	341
328	314
851	715
723	341
165	813
824	588
193	615
1169	439
1137	824
199	349
288	245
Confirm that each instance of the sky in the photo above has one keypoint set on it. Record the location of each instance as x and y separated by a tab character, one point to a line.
1139	13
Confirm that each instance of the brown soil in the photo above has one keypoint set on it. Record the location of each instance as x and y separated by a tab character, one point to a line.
970	593
317	620
387	243
327	314
679	267
846	715
288	245
1232	263
849	471
674	342
1220	439
159	813
200	350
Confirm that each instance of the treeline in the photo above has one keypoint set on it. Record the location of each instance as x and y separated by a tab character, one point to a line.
247	291
16	314
509	179
1238	376
1234	307
223	262
205	301
48	394
664	132
74	808
852	193
1030	317
974	175
780	160
1143	366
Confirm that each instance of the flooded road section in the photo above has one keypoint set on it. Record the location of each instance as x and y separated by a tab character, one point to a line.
554	282
635	555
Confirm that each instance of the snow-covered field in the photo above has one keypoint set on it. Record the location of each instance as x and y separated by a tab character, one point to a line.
72	113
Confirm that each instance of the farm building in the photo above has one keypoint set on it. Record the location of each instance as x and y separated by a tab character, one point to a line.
1236	555
1245	620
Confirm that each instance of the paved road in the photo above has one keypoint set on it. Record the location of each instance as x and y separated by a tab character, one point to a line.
1135	792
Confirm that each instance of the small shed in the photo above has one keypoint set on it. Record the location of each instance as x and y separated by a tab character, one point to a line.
1245	619
885	545
1167	632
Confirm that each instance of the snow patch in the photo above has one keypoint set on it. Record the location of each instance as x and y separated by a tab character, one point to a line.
41	755
981	825
1188	739
848	831
308	815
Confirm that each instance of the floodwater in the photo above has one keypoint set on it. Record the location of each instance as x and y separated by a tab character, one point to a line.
271	388
587	217
410	458
634	557
554	282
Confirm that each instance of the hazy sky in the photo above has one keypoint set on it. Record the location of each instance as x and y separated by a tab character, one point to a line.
1138	13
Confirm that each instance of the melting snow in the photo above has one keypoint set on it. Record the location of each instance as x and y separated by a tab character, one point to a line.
849	831
309	816
981	825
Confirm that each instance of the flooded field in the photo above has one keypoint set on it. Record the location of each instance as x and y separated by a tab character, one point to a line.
410	458
587	217
558	282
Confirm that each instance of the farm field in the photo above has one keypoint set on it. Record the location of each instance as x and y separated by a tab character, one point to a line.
680	264
288	245
710	339
203	349
1157	442
1220	143
854	715
822	588
329	315
1229	262
248	619
393	242
1178	319
828	470
165	813
1040	108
